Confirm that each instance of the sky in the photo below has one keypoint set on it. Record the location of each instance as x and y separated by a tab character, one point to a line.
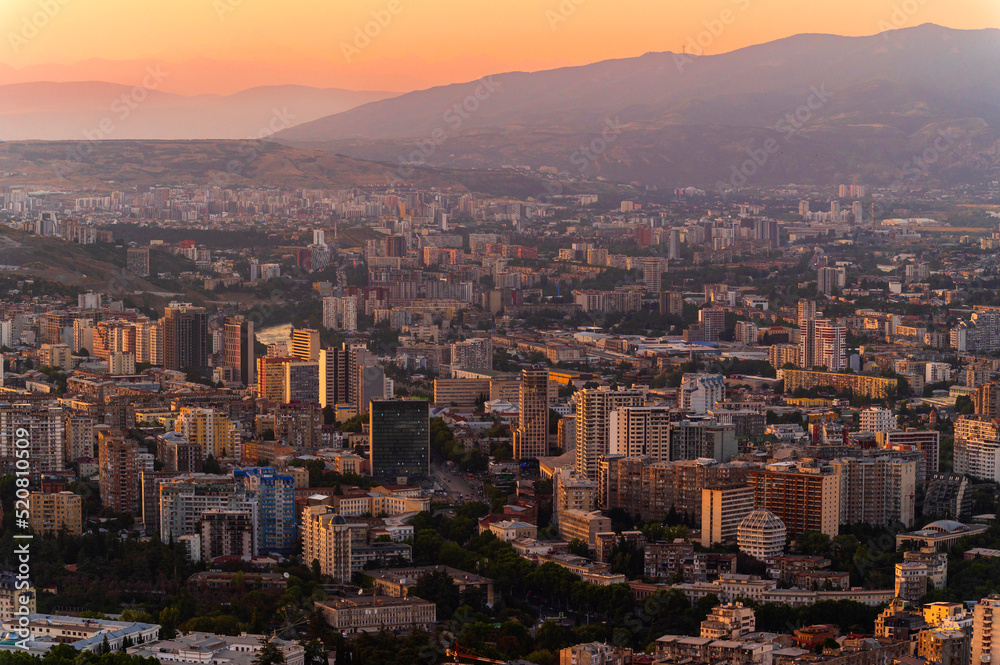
228	45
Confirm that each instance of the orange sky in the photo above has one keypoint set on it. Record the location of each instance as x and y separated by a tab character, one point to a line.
422	43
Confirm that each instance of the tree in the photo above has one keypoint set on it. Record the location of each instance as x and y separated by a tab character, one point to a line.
269	654
578	547
315	653
211	465
438	588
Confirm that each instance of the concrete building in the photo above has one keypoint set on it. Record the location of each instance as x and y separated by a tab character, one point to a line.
699	392
12	596
805	498
877	490
761	535
304	344
51	513
986	630
595	653
531	438
214	432
399	438
583	525
326	538
728	622
944	646
977	447
722	510
877	420
373	614
593	411
640	430
118	473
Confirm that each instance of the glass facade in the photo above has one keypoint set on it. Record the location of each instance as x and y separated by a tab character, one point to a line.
400	438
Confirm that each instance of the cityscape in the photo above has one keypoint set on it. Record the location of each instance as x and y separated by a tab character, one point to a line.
352	335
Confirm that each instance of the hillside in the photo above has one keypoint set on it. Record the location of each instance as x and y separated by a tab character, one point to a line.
107	165
838	107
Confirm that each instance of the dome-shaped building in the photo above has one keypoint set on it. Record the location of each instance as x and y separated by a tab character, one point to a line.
761	534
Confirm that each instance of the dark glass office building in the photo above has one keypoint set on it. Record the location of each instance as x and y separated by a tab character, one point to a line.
400	438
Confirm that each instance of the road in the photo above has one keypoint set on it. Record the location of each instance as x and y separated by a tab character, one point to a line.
457	485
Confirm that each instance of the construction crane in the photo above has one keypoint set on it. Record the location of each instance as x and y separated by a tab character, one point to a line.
458	653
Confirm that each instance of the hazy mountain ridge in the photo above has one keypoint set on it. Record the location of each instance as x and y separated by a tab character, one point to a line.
863	104
77	110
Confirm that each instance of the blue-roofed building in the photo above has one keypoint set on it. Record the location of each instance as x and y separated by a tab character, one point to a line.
275	494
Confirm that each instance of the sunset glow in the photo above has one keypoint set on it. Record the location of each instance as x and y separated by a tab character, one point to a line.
410	44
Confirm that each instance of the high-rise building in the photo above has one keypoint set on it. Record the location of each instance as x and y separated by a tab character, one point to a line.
399	438
357	355
271	378
305	344
877	420
43	427
593	415
829	280
640	430
878	490
237	349
977	447
326	538
340	313
301	382
671	302
275	495
185	337
118	472
58	356
722	510
474	353
148	342
531	438
181	500
804	498
986	630
713	322
78	436
333	376
227	533
700	392
927	441
213	431
674	245
831	345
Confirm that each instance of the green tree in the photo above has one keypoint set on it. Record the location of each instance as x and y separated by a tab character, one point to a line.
270	653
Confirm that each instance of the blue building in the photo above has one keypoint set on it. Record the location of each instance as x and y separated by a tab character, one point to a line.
275	494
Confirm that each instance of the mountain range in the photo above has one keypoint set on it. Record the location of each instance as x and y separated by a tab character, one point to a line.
920	105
